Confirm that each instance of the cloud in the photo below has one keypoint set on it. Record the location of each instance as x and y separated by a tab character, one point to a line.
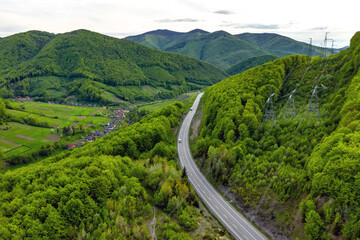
251	25
259	26
167	20
224	12
319	28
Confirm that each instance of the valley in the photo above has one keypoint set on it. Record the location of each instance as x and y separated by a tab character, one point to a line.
92	147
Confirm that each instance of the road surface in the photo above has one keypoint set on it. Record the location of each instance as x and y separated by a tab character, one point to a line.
231	219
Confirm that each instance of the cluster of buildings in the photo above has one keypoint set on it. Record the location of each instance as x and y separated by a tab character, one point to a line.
116	117
18	98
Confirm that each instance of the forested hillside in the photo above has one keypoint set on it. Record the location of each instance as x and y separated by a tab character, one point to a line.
280	45
222	49
298	173
107	190
95	67
250	63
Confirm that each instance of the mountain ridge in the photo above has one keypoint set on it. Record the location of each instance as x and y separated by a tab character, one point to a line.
112	67
257	44
282	138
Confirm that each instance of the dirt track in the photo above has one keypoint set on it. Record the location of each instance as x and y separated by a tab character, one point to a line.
53	138
10	143
25	137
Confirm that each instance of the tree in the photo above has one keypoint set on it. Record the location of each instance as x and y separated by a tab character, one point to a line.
305	207
314	227
337	224
184	173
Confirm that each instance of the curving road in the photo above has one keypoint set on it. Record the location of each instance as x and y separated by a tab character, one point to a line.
234	222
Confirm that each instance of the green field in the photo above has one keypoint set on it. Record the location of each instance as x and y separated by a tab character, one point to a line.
160	104
57	116
15	129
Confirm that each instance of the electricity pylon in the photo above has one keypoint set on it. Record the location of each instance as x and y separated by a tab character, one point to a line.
290	108
314	100
310	48
269	107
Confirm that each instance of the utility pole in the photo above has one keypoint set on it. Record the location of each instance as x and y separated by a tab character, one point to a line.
290	109
269	107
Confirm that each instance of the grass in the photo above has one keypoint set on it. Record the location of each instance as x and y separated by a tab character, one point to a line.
160	104
10	134
56	116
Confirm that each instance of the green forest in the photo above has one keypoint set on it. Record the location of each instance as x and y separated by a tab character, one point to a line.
95	68
223	49
107	189
298	169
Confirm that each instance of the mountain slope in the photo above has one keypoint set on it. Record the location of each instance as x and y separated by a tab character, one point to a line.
161	39
21	47
250	63
298	173
219	48
278	45
109	189
109	65
223	49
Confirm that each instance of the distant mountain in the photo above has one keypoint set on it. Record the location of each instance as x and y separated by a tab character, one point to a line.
221	48
250	63
278	45
95	67
162	38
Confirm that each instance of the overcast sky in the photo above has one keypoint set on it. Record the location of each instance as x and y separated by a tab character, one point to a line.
300	20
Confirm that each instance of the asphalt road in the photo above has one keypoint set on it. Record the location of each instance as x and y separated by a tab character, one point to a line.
234	222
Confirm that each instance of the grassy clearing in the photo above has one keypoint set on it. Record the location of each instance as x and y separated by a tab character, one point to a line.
14	129
187	99
57	116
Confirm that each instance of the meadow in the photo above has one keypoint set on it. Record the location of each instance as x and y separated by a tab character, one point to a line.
186	98
17	138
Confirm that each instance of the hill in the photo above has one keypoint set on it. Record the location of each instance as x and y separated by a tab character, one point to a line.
221	48
109	189
279	45
295	172
161	39
95	67
250	63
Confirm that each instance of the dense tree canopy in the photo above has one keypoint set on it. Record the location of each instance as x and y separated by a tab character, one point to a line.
285	160
95	67
104	190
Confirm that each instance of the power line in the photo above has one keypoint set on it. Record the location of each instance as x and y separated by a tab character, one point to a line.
314	100
290	105
269	107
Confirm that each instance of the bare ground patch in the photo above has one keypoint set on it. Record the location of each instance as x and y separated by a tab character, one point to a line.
65	108
74	124
46	109
183	97
116	99
25	137
87	126
81	117
10	143
53	138
70	97
98	110
54	125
